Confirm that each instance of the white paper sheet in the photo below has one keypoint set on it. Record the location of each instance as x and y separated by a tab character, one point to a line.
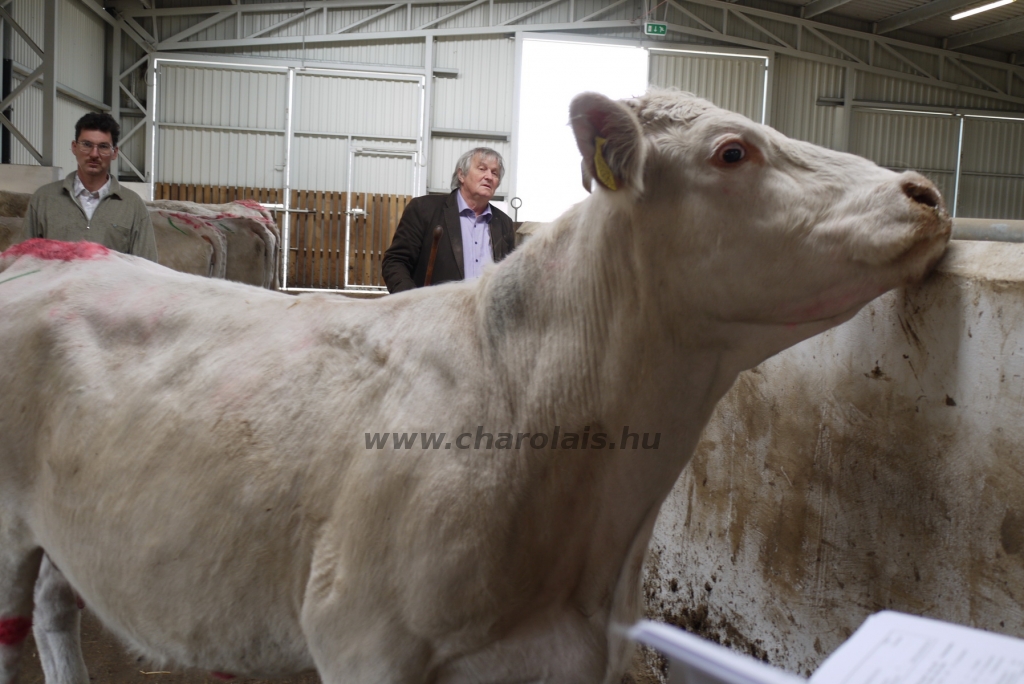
894	648
693	660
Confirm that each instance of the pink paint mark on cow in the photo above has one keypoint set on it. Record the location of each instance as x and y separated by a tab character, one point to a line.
14	630
252	204
222	675
189	219
57	251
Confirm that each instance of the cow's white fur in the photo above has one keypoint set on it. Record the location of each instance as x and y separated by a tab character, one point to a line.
190	452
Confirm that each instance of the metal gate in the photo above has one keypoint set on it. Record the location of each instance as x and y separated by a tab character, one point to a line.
369	228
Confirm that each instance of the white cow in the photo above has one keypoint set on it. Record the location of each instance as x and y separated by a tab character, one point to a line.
194	454
252	236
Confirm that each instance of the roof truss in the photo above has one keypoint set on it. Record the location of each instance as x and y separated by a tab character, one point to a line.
728	24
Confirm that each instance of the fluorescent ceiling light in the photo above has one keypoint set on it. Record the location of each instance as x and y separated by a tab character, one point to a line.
983	8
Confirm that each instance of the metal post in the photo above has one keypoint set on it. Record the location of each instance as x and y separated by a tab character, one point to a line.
426	117
151	76
845	130
286	224
49	80
5	135
959	164
769	89
511	190
348	210
115	90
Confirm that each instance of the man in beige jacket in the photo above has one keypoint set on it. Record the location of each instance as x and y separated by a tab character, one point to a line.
90	204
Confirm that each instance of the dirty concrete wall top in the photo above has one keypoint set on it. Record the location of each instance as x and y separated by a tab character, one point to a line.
877	466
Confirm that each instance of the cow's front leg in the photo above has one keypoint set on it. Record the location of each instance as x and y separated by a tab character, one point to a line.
57	626
19	565
356	647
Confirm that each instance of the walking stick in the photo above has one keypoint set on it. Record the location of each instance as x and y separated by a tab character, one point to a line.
433	255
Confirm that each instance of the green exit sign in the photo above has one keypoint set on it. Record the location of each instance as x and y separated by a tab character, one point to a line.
655	28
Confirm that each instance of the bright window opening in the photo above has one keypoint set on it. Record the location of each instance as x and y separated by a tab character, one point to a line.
553	72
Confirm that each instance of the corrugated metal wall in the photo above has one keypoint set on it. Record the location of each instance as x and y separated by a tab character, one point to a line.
80	44
992	175
446	152
733	83
28	110
798	83
379	113
479	99
196	107
80	58
225	126
922	142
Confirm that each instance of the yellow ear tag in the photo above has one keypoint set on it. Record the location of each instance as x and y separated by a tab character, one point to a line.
604	172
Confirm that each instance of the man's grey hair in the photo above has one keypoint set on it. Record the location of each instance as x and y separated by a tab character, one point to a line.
466	159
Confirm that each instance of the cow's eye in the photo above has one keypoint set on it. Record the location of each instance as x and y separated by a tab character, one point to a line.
732	153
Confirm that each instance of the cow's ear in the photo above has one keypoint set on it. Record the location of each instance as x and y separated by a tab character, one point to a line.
610	140
585	173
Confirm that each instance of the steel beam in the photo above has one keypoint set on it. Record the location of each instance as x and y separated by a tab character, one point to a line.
49	79
919	14
813	9
21	32
201	26
99	11
997	30
588	24
427	115
115	91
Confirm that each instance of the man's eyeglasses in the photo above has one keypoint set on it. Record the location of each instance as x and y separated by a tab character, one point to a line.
104	149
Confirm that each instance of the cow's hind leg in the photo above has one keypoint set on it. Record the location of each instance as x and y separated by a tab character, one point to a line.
57	626
19	565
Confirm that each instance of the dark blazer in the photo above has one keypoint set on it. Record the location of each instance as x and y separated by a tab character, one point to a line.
405	262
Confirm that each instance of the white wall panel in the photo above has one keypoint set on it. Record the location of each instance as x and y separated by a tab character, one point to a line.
392	53
80	44
480	99
504	11
321	163
992	185
733	83
201	98
994	146
221	97
878	88
28	117
29	15
209	157
204	100
999	197
133	149
798	83
361	106
383	174
901	141
445	152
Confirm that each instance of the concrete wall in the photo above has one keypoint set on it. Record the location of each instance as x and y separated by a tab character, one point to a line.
880	465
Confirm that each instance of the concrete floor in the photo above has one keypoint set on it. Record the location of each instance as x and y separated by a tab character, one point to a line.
109	663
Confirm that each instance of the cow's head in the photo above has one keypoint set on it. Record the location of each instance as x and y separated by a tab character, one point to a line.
748	229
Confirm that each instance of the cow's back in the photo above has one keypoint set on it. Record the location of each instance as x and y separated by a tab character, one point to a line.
195	438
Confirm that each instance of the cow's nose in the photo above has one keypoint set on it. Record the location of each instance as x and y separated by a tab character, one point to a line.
922	191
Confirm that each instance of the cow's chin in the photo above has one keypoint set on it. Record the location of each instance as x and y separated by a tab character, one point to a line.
835	305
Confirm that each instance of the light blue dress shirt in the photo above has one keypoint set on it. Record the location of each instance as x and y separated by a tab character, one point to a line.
476	239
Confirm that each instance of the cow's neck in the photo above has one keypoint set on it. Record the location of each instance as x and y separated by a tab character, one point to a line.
583	334
579	332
